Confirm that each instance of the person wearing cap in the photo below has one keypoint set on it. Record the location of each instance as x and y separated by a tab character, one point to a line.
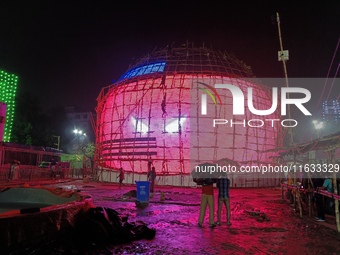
223	184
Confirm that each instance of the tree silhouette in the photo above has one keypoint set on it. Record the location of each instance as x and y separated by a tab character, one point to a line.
32	126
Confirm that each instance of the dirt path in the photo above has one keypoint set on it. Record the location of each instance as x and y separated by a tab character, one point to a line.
276	230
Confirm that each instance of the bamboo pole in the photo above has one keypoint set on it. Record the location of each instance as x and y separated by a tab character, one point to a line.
290	130
335	191
310	190
291	142
309	196
297	190
294	184
299	201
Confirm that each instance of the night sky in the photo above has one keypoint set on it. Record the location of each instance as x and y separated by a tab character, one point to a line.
65	52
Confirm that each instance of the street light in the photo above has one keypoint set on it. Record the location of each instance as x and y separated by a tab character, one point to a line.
79	133
318	125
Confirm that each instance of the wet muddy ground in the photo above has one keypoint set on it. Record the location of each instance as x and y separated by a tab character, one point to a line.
277	230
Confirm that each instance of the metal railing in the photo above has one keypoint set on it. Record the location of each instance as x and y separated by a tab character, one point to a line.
31	173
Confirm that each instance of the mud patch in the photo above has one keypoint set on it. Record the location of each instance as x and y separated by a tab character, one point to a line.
178	233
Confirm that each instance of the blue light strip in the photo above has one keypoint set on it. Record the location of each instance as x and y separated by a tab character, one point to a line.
142	70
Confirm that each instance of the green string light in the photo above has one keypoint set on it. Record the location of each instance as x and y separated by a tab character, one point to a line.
8	87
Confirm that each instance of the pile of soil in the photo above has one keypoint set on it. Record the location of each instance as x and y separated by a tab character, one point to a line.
102	225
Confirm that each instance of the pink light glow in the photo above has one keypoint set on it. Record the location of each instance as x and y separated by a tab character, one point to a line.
134	125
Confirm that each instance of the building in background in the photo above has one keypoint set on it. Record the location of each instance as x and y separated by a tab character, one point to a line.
331	111
8	89
81	121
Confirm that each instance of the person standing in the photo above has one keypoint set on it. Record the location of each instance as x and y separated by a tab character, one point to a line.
121	177
53	169
11	170
149	164
16	170
207	199
151	178
223	184
317	182
328	202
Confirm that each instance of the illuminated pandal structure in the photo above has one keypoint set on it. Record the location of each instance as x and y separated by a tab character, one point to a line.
153	112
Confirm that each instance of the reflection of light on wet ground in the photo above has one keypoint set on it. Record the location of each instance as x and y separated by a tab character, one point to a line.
66	186
178	233
130	209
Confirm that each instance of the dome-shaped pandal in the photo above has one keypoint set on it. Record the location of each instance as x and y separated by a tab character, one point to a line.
154	111
189	60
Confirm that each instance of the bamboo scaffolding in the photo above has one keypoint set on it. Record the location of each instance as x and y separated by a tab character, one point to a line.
145	95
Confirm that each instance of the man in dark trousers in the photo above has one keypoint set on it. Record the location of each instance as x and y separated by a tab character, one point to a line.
223	184
151	178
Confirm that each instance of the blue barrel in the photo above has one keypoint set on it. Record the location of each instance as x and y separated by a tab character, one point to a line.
143	191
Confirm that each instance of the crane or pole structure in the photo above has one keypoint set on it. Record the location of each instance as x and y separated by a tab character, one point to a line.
283	56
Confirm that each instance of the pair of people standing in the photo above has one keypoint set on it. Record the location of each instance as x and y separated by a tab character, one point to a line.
223	184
